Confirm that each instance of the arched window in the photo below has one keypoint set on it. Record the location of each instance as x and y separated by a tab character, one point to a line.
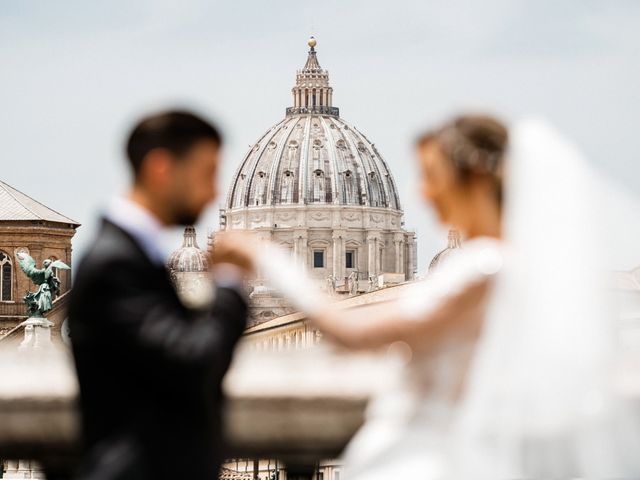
6	277
286	195
318	186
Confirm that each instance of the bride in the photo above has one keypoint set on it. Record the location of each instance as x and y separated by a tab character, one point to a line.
511	340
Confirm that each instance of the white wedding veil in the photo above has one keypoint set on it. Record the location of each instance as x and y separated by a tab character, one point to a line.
543	398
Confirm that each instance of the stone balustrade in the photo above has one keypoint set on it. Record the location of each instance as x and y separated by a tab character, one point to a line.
299	407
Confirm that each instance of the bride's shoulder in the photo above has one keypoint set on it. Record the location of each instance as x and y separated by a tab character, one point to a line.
482	256
486	255
479	259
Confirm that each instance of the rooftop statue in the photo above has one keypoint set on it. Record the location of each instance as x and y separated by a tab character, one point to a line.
41	301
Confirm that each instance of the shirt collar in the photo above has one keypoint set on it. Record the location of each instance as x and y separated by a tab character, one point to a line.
141	224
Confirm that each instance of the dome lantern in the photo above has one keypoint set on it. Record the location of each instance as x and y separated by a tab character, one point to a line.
312	92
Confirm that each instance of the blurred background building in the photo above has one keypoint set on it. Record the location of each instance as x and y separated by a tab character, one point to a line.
27	225
454	242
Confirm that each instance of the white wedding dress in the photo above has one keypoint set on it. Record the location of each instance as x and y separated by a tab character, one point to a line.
533	396
407	426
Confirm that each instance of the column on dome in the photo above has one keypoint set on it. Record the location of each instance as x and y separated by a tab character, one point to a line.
262	237
300	238
338	254
399	249
411	257
372	254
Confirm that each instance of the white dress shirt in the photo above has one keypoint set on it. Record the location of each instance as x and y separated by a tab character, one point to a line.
141	224
148	231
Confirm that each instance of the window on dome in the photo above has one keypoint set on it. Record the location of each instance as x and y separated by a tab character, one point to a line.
318	259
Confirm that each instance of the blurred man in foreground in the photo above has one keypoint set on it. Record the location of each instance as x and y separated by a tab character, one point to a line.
149	368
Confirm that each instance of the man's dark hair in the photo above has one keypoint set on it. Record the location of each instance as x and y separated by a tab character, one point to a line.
176	131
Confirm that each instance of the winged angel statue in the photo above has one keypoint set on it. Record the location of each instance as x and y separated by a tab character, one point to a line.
41	301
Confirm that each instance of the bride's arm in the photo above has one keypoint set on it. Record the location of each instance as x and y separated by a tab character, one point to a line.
377	325
433	308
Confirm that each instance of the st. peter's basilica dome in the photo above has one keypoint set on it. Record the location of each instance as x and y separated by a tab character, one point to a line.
313	156
318	187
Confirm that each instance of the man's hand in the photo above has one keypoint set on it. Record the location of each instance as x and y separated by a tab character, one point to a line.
237	248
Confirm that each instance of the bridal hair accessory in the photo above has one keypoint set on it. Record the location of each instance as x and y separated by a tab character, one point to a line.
467	156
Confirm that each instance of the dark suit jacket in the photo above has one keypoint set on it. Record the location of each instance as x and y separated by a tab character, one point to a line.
149	369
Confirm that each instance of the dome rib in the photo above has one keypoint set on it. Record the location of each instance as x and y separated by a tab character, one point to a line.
375	167
304	160
331	153
277	166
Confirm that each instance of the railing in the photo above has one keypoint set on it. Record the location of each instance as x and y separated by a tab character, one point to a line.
317	110
298	415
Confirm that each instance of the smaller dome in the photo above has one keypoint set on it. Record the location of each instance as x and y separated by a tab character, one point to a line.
441	257
189	257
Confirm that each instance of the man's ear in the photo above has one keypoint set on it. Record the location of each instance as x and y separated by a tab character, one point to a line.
155	171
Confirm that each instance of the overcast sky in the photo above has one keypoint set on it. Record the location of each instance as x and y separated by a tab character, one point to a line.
75	74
